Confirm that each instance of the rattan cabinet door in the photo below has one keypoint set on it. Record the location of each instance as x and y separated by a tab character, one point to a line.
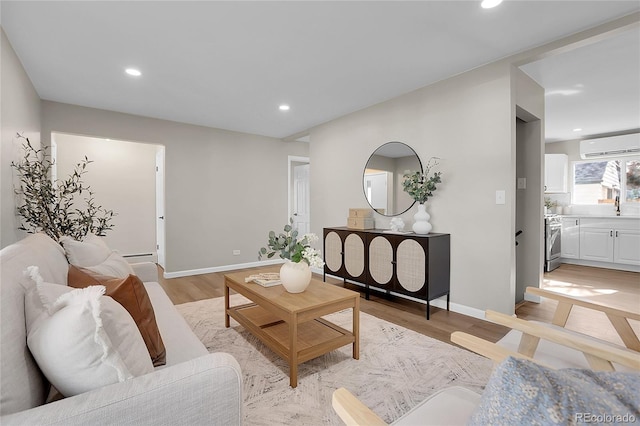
354	255
380	261
411	263
333	251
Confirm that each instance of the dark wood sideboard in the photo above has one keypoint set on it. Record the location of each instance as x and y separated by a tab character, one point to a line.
411	265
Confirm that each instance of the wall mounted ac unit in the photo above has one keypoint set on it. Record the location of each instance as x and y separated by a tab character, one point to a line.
613	146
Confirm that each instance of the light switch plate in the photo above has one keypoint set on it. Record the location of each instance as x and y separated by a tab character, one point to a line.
500	196
522	183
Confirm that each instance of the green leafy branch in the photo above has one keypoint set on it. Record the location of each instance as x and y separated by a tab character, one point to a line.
419	185
54	207
287	246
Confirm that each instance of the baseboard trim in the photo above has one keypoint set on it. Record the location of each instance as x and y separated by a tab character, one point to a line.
191	272
606	265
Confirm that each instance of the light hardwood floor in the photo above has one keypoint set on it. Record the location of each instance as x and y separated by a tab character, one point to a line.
622	286
619	289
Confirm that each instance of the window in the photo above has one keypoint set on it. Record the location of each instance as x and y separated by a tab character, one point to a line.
601	182
632	188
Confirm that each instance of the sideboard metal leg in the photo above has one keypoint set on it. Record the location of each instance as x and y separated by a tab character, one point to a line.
428	309
447	302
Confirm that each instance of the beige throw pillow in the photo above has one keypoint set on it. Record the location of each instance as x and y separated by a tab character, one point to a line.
93	254
114	266
91	251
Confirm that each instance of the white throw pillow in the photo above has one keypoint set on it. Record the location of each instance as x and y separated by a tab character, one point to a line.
81	339
93	254
114	266
91	251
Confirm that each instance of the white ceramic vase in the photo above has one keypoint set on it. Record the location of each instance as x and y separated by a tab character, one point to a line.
421	224
295	277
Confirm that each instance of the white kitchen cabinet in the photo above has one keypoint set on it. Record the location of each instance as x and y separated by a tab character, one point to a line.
626	246
570	247
596	244
610	240
556	168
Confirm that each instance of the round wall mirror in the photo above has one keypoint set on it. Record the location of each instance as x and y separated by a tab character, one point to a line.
382	181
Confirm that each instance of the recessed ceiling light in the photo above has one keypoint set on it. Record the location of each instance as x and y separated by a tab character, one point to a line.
134	72
562	92
577	129
488	4
284	107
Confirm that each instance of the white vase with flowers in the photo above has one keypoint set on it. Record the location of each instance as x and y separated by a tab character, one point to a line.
420	186
295	273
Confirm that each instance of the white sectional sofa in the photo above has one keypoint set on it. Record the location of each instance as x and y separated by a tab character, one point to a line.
194	387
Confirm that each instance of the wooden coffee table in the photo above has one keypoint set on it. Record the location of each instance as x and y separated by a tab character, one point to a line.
290	324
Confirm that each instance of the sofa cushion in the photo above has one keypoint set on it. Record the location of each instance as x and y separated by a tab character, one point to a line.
92	250
114	266
179	340
93	254
82	340
520	389
132	295
22	384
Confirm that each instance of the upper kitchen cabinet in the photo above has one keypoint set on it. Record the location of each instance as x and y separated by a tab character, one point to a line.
556	167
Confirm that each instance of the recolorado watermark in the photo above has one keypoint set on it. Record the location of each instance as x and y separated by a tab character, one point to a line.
604	418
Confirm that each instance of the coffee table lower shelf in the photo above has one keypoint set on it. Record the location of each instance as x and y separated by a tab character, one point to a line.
309	339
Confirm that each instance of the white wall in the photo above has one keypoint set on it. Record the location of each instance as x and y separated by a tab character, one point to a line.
224	190
469	122
19	113
123	179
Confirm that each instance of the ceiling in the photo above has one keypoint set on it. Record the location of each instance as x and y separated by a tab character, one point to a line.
229	65
595	88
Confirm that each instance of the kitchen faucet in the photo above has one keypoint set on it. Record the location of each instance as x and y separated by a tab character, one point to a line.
617	204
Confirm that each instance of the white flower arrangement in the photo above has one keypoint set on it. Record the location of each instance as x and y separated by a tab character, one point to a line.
288	246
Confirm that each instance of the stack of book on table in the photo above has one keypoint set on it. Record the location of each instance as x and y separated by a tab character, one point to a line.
265	279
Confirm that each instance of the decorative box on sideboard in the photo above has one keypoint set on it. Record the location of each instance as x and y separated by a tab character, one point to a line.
411	265
360	219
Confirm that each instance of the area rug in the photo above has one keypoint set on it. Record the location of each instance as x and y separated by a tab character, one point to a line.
397	368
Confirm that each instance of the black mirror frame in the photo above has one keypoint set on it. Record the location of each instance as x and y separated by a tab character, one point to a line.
364	192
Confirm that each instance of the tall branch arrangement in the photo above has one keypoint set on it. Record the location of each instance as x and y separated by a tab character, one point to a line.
419	185
62	207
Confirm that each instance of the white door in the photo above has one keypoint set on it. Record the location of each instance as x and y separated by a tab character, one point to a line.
301	202
160	205
375	185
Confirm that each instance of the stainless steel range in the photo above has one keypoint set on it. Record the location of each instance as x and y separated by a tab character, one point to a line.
552	241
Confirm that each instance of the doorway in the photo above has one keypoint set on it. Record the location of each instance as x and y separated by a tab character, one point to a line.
529	228
160	221
134	192
299	196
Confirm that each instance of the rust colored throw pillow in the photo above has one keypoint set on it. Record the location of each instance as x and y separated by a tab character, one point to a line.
132	295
